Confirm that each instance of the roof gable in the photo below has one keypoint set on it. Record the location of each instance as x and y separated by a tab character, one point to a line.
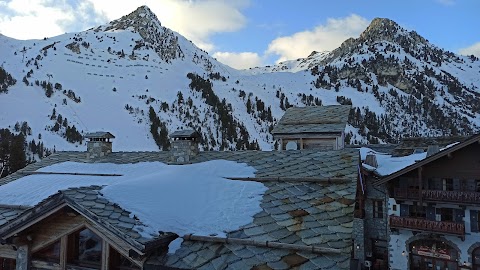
88	201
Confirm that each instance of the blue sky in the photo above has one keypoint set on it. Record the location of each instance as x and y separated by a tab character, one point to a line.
245	33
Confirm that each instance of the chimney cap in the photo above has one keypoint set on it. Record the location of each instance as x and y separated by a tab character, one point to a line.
186	133
99	134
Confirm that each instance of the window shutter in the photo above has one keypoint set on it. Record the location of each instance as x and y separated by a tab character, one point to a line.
404	210
430	213
456	184
474	220
459	214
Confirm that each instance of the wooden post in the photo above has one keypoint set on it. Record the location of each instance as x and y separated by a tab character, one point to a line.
63	252
301	143
105	255
420	185
281	145
23	257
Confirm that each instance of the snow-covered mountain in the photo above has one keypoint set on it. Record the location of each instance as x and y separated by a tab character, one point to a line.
141	81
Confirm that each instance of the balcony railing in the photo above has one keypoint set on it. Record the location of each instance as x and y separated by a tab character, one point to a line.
417	224
439	195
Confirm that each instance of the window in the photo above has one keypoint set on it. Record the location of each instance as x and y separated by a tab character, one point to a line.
50	253
120	262
474	220
445	214
7	264
378	209
84	249
448	184
394	207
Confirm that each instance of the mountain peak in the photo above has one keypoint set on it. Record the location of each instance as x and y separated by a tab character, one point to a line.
143	12
381	28
140	18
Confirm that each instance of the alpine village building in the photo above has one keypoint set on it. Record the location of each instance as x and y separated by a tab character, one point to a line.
422	204
305	217
325	206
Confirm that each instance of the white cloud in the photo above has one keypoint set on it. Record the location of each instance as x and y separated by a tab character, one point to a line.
241	60
196	20
474	49
322	38
24	19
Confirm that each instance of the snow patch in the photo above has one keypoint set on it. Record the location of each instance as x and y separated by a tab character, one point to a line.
182	199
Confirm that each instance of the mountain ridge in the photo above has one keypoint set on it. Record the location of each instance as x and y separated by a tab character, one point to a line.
140	81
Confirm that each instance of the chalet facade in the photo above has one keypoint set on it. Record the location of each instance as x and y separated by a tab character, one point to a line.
306	217
317	127
425	214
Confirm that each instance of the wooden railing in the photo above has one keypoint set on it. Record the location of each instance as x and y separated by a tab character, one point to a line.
446	227
439	195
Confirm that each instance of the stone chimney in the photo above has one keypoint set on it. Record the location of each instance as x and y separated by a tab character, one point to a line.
99	144
184	145
432	150
371	160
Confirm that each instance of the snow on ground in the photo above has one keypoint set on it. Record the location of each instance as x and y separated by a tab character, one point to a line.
182	199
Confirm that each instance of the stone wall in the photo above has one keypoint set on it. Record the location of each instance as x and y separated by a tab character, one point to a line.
183	150
97	149
359	239
375	228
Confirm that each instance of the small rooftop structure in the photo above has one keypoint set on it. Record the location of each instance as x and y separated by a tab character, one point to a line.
99	144
185	134
184	145
99	135
315	127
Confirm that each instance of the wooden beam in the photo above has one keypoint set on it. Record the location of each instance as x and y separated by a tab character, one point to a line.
293	179
68	173
63	252
420	184
268	244
105	255
23	257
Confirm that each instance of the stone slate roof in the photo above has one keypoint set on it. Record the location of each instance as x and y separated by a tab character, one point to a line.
8	213
313	119
296	209
100	134
90	199
186	133
303	213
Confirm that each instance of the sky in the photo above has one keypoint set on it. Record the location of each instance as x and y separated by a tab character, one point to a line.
248	33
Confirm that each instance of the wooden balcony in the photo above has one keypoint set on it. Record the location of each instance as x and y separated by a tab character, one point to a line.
462	197
417	224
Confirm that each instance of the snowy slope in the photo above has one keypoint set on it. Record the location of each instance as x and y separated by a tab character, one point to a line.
401	84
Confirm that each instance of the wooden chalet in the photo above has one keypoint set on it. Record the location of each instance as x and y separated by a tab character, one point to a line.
425	215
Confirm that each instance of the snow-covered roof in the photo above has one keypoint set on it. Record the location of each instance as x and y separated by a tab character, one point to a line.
100	134
291	200
390	166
